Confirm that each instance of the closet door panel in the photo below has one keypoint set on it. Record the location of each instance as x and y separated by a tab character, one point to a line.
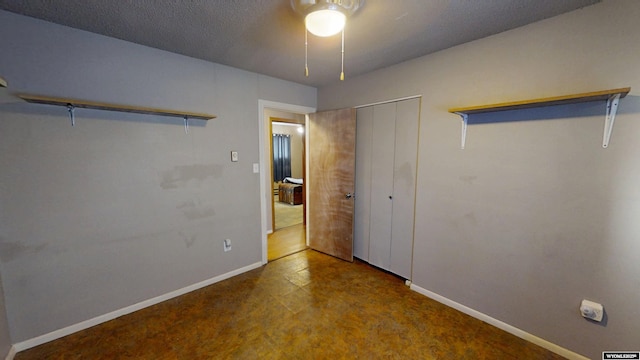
404	186
362	212
382	158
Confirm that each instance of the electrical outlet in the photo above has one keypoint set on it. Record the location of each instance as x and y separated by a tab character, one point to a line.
591	310
227	245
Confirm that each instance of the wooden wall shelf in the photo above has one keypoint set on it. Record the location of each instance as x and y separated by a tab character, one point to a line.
550	101
75	103
610	96
5	96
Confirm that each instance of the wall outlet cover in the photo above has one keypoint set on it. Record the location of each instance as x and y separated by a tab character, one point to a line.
591	310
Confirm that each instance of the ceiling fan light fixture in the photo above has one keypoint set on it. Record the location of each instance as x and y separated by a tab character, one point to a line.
325	18
325	22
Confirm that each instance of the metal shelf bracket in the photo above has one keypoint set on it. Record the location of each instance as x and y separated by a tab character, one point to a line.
72	117
612	108
465	119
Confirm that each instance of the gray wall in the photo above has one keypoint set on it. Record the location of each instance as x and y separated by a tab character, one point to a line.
122	207
533	216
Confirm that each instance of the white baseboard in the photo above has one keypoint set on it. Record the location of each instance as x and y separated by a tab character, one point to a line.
500	325
27	344
11	354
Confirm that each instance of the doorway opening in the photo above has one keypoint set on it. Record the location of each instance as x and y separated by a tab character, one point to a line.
286	235
288	208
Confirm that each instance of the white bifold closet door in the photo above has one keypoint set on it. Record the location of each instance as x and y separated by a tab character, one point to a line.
386	161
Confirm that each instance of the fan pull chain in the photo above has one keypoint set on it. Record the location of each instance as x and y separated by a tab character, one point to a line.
306	68
342	70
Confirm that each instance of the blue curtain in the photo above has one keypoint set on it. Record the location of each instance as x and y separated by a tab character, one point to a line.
281	157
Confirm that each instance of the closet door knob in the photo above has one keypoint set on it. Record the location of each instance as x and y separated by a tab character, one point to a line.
349	196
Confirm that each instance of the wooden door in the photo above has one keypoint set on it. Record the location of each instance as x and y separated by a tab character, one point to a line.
330	184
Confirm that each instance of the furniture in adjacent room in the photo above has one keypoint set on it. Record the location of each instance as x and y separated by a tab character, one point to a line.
290	193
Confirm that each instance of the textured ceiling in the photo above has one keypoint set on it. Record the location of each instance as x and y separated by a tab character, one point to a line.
267	36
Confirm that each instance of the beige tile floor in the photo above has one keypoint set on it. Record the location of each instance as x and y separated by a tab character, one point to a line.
304	306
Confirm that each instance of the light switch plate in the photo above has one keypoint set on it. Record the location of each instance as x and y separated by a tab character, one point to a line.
234	156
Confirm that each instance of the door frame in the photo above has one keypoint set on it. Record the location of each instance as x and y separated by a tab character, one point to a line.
264	133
